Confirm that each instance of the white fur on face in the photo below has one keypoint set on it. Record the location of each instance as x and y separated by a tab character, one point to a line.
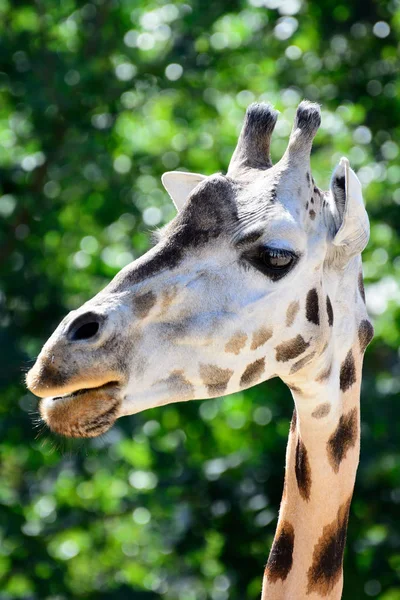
215	324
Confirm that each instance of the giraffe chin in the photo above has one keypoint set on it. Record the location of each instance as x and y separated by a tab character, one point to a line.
83	413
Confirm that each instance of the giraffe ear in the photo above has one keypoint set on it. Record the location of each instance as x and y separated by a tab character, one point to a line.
180	184
349	214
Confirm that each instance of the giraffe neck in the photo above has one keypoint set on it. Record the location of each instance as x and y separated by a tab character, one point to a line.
321	463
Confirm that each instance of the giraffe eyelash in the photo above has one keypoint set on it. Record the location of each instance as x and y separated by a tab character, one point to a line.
277	252
263	258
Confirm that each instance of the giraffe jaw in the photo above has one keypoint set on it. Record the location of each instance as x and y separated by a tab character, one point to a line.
83	413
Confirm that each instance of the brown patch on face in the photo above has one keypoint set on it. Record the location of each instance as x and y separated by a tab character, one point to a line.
321	411
312	215
312	307
178	328
361	285
280	560
301	363
342	439
87	413
144	303
168	296
329	311
252	373
215	379
325	374
326	568
365	334
236	343
260	337
347	372
291	349
291	312
178	385
303	470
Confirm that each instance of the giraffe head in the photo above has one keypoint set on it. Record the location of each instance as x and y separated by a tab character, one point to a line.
239	288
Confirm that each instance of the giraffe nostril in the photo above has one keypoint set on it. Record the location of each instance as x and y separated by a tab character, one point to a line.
85	332
85	327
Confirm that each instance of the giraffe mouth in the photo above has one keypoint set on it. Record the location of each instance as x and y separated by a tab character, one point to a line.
87	412
104	386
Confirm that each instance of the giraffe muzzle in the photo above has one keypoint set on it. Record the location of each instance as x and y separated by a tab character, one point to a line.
83	413
78	398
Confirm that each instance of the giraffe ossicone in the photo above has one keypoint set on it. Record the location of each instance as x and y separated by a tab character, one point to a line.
256	277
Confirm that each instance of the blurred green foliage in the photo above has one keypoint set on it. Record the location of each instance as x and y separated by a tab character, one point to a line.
97	100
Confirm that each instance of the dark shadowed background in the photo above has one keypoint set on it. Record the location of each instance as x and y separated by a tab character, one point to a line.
97	99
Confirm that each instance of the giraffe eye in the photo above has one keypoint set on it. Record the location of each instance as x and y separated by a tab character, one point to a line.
276	259
275	263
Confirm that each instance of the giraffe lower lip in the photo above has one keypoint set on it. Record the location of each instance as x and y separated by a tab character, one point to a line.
83	413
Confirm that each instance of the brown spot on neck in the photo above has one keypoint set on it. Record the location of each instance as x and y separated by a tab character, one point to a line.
260	337
365	334
343	438
303	470
327	562
329	311
294	388
236	343
347	372
144	303
291	312
321	411
280	560
215	379
252	373
312	213
291	349
301	363
361	285
325	374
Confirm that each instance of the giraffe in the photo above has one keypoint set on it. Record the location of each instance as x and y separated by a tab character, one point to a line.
259	275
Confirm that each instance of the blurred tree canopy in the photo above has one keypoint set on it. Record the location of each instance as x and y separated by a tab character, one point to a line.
97	100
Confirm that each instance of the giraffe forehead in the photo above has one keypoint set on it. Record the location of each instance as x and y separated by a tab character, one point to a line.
236	208
273	225
267	209
285	207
